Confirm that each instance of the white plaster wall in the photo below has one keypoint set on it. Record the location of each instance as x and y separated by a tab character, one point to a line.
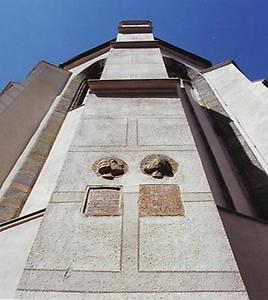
17	241
138	296
247	105
145	258
260	90
21	237
15	245
134	64
47	179
112	254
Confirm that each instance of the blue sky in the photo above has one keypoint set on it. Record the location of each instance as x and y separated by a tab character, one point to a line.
56	30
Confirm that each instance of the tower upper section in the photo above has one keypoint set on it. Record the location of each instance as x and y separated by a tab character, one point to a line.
135	54
135	26
135	31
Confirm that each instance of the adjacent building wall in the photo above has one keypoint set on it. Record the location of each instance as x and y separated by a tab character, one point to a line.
22	107
246	103
249	242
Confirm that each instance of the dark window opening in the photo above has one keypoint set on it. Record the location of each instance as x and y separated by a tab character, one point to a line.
175	69
94	71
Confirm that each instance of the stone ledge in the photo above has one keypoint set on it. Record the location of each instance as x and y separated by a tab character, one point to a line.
135	44
134	87
135	296
21	220
135	29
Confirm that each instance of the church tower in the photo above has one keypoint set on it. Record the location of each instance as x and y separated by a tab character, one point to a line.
141	156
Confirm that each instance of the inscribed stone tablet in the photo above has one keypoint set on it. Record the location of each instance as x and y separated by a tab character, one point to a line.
160	200
102	201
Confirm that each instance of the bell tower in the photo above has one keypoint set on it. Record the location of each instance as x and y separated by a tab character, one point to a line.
132	215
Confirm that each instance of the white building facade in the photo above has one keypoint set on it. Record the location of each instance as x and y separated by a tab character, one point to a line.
120	192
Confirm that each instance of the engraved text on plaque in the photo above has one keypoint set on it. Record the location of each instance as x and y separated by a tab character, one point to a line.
160	200
102	201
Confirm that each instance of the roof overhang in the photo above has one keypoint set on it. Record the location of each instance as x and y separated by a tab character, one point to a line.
105	47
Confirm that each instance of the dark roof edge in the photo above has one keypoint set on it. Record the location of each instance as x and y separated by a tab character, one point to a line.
265	82
11	83
86	53
206	63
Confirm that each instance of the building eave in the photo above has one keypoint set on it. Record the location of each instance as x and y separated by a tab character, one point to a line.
202	62
74	61
104	47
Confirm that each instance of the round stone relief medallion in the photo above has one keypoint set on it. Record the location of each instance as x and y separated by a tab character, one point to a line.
159	166
109	167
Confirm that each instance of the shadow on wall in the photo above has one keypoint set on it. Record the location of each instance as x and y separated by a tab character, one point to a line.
249	241
252	176
175	69
250	173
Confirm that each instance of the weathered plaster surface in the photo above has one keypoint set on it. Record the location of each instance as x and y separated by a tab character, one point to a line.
88	243
173	256
134	64
113	132
15	244
190	249
138	296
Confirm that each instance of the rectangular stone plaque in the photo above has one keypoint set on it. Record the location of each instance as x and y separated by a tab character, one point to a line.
160	200
102	201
